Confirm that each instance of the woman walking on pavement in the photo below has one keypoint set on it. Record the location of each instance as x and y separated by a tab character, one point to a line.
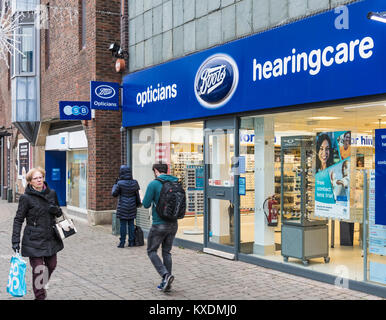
39	206
128	191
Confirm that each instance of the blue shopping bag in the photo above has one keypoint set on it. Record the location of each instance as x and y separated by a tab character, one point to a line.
16	280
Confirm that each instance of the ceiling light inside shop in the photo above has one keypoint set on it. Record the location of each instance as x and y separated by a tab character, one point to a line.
324	118
366	106
322	129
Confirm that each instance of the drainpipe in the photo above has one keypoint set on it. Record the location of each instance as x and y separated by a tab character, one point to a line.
124	45
2	167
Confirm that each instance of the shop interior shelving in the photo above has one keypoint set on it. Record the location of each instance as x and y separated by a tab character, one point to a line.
301	236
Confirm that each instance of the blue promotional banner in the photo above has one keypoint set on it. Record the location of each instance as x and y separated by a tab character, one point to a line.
311	60
104	95
74	110
380	176
332	179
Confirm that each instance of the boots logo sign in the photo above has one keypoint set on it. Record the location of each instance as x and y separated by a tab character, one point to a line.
216	81
105	92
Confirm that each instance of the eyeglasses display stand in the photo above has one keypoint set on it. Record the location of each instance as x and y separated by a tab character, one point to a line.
301	237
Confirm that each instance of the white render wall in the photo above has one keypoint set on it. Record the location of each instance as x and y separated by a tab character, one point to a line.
162	30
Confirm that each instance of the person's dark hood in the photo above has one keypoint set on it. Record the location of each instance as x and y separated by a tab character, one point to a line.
30	190
125	173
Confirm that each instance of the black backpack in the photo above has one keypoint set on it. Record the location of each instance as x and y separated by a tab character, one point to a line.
172	201
139	241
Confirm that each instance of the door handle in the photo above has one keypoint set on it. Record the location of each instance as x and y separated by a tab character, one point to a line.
220	194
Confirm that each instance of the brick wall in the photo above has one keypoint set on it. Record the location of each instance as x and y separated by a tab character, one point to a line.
67	77
6	121
71	67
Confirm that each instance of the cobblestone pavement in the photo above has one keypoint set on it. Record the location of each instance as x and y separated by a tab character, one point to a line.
91	267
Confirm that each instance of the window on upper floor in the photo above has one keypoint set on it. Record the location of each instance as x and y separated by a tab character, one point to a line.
26	55
47	39
24	5
82	24
24	99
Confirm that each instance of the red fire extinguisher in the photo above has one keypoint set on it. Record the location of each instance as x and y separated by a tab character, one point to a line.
270	212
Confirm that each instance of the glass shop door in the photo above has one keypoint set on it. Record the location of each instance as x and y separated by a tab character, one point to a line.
221	199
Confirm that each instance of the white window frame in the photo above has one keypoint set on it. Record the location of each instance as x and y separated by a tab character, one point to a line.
17	56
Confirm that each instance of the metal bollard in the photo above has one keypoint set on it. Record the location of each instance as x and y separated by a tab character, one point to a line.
10	195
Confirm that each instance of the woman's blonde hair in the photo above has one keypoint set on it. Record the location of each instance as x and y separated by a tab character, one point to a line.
32	171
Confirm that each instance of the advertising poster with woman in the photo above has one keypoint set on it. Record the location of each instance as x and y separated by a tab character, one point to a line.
332	179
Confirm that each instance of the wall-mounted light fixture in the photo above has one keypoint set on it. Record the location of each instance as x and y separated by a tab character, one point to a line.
117	51
120	54
114	47
377	16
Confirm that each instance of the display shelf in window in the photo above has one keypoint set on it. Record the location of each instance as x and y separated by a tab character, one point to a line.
189	168
301	237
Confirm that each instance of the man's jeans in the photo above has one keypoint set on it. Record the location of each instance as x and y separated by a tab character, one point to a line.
161	234
127	224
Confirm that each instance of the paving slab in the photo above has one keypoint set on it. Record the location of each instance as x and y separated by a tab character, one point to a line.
91	267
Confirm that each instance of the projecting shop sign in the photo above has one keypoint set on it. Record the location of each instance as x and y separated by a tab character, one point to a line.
104	95
74	110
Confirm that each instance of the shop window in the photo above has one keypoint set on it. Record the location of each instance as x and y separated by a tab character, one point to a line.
312	161
143	157
77	179
187	163
181	147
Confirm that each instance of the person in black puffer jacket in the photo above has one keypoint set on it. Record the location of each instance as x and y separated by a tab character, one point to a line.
38	206
128	191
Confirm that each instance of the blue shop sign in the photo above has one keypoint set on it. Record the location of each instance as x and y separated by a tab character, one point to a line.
74	110
104	95
308	61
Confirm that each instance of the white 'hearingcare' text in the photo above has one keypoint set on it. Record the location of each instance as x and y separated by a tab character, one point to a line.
313	61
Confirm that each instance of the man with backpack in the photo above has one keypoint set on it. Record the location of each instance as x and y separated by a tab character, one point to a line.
167	196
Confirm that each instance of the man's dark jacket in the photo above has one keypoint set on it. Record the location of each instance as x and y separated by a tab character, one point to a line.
39	209
128	191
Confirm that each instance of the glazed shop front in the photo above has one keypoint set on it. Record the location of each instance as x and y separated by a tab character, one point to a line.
277	139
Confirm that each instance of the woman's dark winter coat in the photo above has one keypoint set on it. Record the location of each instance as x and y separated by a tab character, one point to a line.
128	191
39	209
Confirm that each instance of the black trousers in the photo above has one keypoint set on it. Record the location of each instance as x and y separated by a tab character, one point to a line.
42	269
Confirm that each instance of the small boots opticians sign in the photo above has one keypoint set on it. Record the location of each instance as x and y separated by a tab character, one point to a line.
104	95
